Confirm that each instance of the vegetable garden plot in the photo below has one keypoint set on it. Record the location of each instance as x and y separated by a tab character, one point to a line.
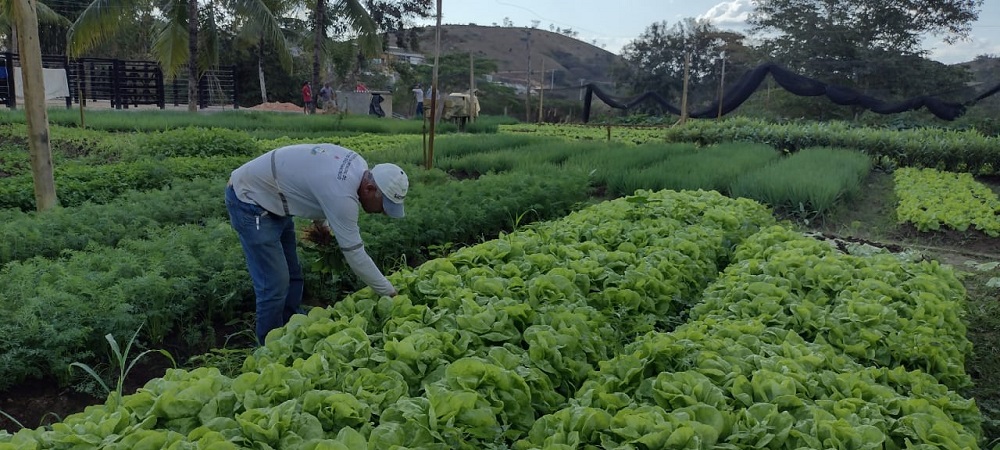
183	279
930	199
559	336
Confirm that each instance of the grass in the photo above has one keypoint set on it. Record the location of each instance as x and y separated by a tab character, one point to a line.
984	332
266	125
871	216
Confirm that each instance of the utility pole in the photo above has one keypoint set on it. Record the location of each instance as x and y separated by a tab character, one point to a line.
471	101
30	52
722	83
429	164
527	78
541	92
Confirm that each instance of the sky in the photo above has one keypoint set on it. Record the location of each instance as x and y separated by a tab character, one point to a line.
612	25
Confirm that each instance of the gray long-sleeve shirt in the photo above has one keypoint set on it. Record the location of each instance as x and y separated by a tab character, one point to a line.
319	181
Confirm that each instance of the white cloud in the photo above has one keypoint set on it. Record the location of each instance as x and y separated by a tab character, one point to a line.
963	51
731	15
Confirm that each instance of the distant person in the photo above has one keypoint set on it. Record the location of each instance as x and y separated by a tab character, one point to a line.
360	87
307	97
324	96
429	100
418	95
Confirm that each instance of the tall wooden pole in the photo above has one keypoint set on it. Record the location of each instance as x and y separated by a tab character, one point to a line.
429	164
722	83
194	100
684	91
541	92
26	16
472	88
79	97
527	79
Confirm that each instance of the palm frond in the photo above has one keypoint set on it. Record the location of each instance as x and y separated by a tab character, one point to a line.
170	47
96	24
208	42
50	16
262	22
357	18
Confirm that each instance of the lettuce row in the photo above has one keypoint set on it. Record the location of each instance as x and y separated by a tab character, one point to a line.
959	201
879	310
794	346
561	335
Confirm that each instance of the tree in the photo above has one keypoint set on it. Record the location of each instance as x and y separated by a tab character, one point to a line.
361	24
44	14
453	72
348	16
26	22
866	44
251	31
655	61
176	40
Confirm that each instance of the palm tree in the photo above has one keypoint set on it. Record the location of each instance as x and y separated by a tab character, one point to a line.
351	15
176	40
252	34
45	15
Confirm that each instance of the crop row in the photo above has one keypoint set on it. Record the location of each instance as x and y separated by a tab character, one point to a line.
182	278
134	215
930	199
580	333
951	150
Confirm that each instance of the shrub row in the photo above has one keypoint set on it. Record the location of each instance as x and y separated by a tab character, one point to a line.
951	150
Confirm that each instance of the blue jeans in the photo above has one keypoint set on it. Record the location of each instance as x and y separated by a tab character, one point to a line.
268	242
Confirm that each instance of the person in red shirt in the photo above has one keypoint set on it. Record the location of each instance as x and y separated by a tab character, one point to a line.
306	97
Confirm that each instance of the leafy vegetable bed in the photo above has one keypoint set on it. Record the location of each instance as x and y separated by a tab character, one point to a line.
563	336
929	199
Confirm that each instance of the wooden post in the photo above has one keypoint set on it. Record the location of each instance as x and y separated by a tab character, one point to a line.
527	87
541	92
722	83
684	91
79	94
429	163
25	15
472	86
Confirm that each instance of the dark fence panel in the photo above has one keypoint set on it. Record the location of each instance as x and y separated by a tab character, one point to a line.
123	83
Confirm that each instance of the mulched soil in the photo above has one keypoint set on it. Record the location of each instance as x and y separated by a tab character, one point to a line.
277	107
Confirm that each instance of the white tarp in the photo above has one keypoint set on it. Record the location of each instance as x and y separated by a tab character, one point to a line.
54	80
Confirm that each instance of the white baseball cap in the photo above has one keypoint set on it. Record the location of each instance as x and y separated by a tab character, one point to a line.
393	183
